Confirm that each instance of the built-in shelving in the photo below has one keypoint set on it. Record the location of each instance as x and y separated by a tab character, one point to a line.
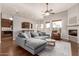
6	28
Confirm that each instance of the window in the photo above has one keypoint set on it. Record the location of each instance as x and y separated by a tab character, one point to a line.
42	26
36	26
47	25
57	24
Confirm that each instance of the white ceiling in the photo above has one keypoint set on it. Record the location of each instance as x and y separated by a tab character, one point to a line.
34	10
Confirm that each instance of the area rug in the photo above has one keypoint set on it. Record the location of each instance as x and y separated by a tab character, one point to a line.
61	48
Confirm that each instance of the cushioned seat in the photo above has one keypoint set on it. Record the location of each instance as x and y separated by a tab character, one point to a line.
32	43
41	37
35	43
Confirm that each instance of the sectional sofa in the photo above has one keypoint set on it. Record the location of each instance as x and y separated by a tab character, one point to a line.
34	42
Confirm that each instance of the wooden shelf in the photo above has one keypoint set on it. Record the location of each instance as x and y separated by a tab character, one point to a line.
6	23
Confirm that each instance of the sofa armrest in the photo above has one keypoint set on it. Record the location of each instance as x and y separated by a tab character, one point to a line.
21	41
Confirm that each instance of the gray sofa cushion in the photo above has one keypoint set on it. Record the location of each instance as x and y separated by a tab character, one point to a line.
34	34
41	37
21	35
26	35
42	33
35	44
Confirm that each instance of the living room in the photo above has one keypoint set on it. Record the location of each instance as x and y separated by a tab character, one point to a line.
61	25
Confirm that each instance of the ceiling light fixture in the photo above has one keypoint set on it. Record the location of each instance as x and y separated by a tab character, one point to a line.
48	11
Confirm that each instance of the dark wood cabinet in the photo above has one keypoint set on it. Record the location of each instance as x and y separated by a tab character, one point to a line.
6	23
6	28
55	35
7	33
27	25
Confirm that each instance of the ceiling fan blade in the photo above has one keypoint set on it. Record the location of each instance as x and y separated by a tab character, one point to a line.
48	11
51	10
52	13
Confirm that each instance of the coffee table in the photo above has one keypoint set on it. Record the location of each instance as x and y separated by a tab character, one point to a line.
51	42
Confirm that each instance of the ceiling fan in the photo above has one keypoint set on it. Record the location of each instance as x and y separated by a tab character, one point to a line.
48	11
